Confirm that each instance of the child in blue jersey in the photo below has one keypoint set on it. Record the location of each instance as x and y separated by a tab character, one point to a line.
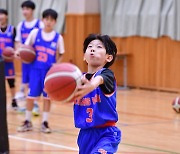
23	30
49	48
95	106
7	36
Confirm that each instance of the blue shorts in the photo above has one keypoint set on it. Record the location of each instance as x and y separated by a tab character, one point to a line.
36	83
25	73
9	70
99	140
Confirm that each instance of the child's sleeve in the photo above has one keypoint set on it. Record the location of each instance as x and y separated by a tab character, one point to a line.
18	33
60	45
31	38
108	86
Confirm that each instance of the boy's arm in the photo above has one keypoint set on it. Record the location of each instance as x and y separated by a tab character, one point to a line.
88	86
60	49
18	36
105	81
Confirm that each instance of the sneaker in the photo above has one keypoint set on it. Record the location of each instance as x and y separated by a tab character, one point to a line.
14	104
35	110
45	128
20	95
26	126
21	110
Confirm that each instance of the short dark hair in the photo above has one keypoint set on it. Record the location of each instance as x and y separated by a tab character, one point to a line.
28	4
3	11
50	12
109	45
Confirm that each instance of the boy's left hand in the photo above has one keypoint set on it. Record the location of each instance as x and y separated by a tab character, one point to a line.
84	89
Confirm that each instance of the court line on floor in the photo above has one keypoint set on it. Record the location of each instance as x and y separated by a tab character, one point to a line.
122	143
43	143
149	148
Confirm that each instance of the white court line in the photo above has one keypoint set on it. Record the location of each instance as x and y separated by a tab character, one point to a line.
44	143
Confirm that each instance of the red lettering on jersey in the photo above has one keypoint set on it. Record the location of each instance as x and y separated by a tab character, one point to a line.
6	40
84	102
25	35
102	151
10	72
96	99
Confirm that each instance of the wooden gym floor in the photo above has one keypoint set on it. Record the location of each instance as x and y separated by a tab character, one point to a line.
146	119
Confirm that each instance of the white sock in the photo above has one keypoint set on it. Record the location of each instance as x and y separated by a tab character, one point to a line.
28	115
22	89
36	102
45	116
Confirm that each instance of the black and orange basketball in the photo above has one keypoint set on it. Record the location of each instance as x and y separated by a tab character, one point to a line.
8	54
27	53
61	81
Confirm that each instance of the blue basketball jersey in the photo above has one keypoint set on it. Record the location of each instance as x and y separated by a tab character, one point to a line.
45	51
6	38
25	31
95	108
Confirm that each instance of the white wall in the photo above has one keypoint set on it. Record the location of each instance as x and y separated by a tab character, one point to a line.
83	6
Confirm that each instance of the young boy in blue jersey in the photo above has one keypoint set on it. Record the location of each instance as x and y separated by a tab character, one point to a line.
49	47
7	36
95	106
23	30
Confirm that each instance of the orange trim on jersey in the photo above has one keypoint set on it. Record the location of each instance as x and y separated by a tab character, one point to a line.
107	124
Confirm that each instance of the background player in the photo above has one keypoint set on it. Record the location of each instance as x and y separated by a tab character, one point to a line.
95	108
7	36
23	30
49	47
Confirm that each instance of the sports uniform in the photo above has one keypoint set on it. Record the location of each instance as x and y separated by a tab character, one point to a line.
45	57
95	114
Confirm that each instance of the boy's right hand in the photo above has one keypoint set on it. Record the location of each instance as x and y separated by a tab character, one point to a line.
16	54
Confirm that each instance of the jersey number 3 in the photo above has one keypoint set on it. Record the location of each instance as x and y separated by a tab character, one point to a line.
90	112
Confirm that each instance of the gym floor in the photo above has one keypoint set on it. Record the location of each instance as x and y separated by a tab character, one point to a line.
146	119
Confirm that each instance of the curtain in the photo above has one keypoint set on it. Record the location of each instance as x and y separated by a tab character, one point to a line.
147	18
15	14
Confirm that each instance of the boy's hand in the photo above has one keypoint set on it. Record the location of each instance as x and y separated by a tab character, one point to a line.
16	54
87	86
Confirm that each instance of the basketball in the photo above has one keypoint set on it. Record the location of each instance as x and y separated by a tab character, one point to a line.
27	53
176	104
61	81
8	54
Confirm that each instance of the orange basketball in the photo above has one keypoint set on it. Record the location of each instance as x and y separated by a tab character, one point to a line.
61	81
27	53
8	54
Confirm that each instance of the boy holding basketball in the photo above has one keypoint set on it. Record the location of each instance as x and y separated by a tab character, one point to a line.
7	36
23	30
49	47
95	106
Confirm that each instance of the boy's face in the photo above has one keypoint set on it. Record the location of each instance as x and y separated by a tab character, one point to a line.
95	54
49	23
27	12
3	19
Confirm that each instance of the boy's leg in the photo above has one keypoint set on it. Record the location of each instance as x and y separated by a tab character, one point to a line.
27	124
10	76
35	91
11	83
46	107
25	81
